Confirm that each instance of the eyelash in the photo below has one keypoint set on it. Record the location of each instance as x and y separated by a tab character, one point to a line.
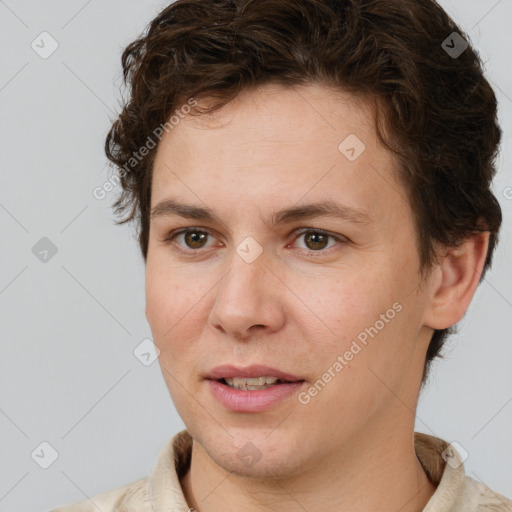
192	252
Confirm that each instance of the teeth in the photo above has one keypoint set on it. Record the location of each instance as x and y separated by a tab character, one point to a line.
251	383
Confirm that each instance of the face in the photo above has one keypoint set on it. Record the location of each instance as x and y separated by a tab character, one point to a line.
328	303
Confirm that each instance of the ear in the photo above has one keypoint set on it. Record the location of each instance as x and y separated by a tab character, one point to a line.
457	278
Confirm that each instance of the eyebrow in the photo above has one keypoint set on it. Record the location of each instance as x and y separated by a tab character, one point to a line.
170	207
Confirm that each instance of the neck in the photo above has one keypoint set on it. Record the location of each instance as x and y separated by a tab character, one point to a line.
374	473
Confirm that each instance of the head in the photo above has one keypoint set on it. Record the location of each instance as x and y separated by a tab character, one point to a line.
243	109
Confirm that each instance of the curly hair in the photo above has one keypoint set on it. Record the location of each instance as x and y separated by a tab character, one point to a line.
434	109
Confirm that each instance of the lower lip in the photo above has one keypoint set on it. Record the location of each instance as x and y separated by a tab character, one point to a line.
238	400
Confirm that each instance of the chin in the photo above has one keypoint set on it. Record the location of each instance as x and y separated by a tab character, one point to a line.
259	453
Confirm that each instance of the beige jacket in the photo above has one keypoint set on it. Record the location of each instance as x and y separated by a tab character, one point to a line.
161	491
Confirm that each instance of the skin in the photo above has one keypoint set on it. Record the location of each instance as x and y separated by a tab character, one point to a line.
271	148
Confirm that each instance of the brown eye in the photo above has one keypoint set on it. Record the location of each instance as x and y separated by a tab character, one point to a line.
192	239
316	241
195	239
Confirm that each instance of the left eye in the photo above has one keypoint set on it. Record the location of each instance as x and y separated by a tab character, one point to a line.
315	240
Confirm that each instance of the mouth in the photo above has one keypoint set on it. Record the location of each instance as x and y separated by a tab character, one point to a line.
253	383
256	376
255	388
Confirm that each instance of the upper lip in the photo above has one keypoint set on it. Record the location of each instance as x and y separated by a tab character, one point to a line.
257	370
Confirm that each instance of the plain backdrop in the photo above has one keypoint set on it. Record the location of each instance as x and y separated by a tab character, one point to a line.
73	395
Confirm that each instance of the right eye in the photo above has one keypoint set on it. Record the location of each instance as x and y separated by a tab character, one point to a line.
193	238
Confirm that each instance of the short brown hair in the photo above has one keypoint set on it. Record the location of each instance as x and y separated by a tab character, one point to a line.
440	113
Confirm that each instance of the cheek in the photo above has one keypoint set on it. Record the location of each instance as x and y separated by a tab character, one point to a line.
175	313
366	311
166	303
157	301
346	306
170	291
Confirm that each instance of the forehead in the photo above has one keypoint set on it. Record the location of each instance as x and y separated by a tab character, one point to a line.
287	113
277	145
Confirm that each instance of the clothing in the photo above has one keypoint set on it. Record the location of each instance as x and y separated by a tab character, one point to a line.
161	491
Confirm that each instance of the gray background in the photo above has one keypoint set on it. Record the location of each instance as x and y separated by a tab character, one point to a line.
69	326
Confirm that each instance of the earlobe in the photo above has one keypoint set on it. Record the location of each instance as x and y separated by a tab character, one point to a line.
460	270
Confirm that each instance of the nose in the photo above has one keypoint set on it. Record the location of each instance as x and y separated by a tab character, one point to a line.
248	299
